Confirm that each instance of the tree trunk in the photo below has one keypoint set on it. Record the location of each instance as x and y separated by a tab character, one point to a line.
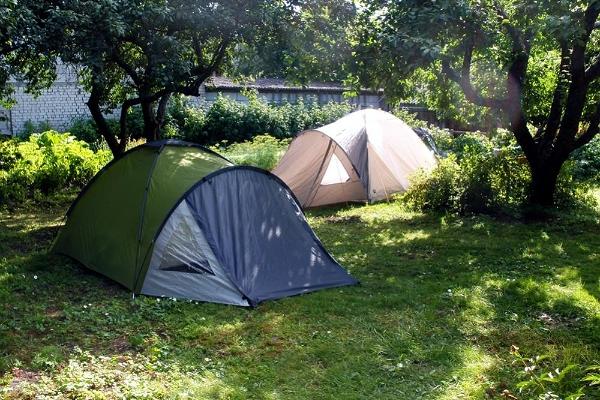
161	111
151	126
117	148
154	120
543	184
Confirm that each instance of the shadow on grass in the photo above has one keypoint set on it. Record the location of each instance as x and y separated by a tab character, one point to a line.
442	300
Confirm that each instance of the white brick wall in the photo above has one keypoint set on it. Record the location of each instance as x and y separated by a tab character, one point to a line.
57	106
66	101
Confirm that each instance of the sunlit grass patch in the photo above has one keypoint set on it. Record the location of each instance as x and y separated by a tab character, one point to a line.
442	301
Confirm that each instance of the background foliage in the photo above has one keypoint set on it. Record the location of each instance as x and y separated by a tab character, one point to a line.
484	174
263	151
227	120
481	173
46	164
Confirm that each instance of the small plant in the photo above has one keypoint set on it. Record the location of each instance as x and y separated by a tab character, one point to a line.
47	358
29	128
546	381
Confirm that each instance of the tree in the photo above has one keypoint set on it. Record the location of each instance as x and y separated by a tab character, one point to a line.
310	42
491	50
24	53
140	53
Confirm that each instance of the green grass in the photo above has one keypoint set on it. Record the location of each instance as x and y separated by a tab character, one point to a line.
442	300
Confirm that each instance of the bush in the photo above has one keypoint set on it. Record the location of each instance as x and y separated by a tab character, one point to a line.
586	167
487	181
490	174
46	163
225	120
263	151
29	128
480	174
482	180
437	190
85	130
232	121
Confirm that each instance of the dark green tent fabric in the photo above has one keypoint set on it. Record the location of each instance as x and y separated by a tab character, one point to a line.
112	224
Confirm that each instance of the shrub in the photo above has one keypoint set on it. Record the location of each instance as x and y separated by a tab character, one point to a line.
29	128
437	190
45	164
231	121
586	165
469	144
490	174
263	151
85	130
184	121
482	180
225	120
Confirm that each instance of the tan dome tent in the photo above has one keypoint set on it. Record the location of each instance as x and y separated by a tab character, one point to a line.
170	218
365	156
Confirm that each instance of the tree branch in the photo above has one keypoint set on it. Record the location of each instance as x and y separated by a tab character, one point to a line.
127	104
591	17
521	47
592	130
591	23
517	38
553	121
127	68
464	81
202	73
593	71
579	86
7	49
220	53
93	104
162	109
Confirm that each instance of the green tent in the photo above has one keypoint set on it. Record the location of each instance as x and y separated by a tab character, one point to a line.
170	218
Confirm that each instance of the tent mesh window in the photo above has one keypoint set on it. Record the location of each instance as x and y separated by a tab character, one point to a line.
181	254
335	173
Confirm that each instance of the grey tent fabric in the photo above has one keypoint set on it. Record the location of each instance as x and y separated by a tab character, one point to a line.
260	236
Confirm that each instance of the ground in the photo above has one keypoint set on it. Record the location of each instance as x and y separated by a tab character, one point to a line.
448	307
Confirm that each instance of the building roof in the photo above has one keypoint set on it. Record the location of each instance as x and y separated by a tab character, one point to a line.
221	83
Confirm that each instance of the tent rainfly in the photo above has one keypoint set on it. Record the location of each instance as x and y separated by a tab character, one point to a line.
173	219
365	156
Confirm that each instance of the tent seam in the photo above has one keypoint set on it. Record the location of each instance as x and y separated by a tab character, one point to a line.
143	215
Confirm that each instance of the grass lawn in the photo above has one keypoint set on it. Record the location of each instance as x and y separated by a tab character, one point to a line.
442	301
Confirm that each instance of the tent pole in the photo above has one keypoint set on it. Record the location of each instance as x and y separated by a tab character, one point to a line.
319	176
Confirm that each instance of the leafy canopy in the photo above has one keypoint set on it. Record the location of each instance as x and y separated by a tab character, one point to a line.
401	45
141	52
24	51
